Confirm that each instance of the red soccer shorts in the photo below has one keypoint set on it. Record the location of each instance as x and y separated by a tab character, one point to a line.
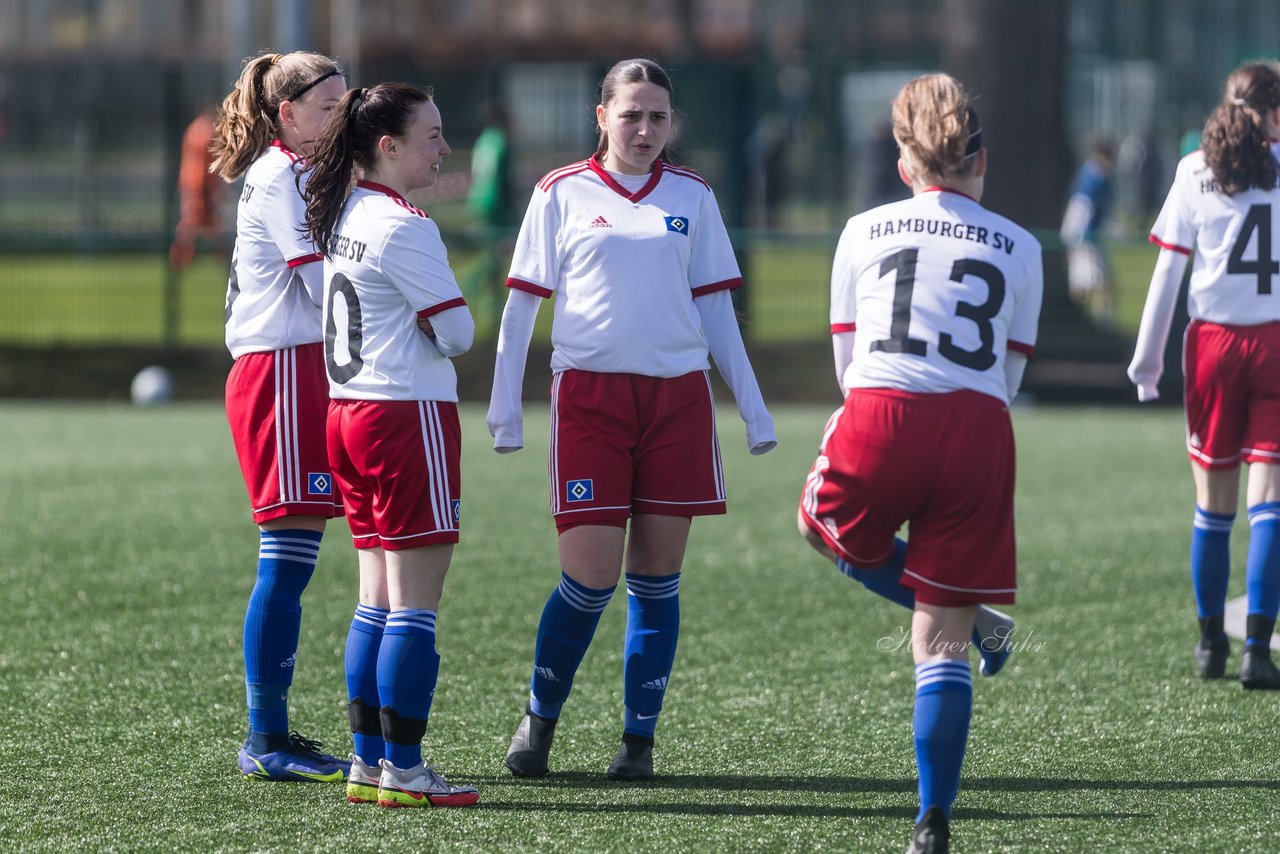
398	466
276	404
944	463
627	443
1232	383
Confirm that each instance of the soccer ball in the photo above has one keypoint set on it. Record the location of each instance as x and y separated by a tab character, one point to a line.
152	386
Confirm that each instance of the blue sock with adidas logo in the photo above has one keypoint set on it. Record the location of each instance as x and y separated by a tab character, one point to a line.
568	623
408	667
1262	572
286	561
944	702
1211	568
653	627
364	639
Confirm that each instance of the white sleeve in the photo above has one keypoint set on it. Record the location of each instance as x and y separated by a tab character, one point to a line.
1015	364
505	418
417	263
842	348
724	340
1157	317
455	331
311	274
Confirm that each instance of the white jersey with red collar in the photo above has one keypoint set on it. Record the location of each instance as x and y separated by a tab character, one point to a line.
939	289
269	305
385	269
1232	271
624	266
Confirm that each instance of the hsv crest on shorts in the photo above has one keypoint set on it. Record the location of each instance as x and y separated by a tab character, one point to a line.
578	490
319	483
457	510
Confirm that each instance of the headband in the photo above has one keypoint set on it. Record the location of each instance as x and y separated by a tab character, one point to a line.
975	134
305	89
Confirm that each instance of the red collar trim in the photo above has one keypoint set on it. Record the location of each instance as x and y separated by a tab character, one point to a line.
395	197
655	175
947	190
293	155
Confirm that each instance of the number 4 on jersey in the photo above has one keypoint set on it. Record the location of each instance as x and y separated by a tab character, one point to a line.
1263	266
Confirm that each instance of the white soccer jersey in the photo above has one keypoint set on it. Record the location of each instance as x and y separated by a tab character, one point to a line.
624	265
1236	243
938	289
269	305
385	269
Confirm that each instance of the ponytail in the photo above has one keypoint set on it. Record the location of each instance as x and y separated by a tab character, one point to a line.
329	170
1235	144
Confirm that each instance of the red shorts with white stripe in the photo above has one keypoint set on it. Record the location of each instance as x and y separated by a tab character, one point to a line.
627	443
1232	384
276	405
942	462
398	466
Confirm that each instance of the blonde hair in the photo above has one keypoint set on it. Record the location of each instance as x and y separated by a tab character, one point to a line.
249	118
936	127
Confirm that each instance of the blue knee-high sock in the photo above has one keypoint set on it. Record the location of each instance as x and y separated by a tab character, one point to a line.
944	702
408	667
653	628
364	639
883	580
1211	561
286	560
568	623
1262	572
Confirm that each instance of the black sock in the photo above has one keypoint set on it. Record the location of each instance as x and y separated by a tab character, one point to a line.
1210	629
1258	631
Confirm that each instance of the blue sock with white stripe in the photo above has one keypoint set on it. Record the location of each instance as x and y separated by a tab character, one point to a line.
883	580
1262	572
364	639
286	561
408	667
1211	568
944	702
653	628
568	623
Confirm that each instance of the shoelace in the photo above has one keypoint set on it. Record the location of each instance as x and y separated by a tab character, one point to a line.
299	743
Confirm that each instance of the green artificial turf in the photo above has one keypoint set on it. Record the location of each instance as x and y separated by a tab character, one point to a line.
127	556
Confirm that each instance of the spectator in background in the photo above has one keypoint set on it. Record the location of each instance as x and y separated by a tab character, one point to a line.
1089	278
199	191
277	394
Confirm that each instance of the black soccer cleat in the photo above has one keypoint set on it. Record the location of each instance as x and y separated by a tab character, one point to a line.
634	760
531	745
932	834
1257	671
1211	658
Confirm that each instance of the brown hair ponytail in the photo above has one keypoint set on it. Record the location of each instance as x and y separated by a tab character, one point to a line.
1235	143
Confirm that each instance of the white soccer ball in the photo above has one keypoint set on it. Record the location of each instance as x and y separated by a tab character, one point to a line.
152	386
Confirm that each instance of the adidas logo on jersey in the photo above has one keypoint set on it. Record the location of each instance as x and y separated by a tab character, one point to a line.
600	222
546	673
659	684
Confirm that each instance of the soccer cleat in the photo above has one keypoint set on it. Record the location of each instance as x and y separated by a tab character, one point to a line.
932	834
362	785
993	636
1211	659
421	786
634	760
530	746
298	759
1257	671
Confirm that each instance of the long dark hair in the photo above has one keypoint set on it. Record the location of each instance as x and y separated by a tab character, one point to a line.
636	71
1235	144
349	139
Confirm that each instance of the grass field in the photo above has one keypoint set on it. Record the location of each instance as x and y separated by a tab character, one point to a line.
120	298
126	558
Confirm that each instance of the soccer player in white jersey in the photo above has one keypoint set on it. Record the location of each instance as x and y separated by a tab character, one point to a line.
934	307
393	317
1223	211
276	391
636	255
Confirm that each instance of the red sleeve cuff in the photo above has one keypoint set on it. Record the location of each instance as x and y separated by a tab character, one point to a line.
441	306
305	259
1027	350
843	327
529	288
725	285
1172	247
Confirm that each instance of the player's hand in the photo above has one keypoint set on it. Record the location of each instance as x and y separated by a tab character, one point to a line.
425	325
1147	392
